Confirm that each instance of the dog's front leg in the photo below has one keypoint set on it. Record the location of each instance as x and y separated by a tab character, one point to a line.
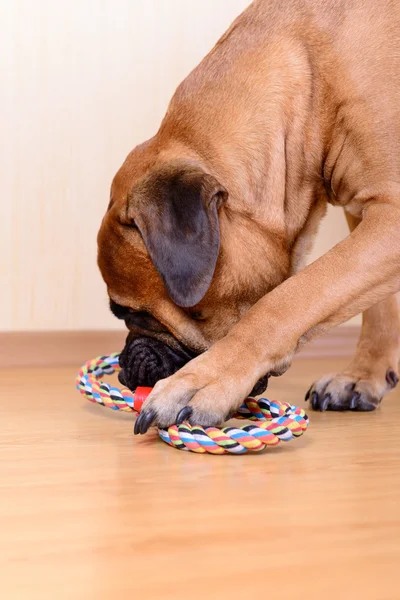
372	372
357	273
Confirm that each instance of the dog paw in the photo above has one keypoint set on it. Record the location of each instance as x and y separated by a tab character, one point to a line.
206	391
188	397
184	398
358	392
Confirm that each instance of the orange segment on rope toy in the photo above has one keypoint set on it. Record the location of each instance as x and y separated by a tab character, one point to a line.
273	422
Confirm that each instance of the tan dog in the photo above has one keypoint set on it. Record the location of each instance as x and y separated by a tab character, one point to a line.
204	241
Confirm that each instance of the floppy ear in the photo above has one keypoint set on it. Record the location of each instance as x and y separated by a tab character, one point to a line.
177	216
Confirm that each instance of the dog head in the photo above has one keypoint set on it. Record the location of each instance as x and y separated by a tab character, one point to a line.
181	259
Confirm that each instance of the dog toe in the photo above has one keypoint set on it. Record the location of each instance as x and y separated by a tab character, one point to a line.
339	392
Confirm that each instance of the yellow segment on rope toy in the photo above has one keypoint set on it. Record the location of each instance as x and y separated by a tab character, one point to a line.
272	422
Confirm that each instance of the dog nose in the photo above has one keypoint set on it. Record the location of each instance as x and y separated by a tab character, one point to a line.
145	360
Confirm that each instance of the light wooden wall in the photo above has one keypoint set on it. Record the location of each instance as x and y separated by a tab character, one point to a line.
83	81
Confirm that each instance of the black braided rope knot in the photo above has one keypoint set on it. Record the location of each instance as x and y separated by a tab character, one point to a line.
144	361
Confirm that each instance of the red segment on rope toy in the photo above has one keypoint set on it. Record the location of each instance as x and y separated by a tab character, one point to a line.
272	422
141	394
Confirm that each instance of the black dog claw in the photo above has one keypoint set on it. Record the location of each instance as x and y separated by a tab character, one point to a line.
392	378
354	401
144	421
324	402
184	415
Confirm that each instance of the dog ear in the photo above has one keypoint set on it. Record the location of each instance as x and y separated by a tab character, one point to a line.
177	216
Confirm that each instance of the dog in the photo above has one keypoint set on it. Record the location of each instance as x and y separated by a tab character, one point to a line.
204	241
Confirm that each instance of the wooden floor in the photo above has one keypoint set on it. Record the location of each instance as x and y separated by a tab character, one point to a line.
90	512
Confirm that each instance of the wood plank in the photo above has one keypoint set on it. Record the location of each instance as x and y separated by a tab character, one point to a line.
56	348
88	511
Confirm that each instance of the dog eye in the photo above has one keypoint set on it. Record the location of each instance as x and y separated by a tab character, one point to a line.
197	315
132	225
125	222
145	321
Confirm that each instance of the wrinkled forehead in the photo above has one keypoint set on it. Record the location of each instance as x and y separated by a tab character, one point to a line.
125	265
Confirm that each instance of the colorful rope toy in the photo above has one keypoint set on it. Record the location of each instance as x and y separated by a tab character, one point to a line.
273	421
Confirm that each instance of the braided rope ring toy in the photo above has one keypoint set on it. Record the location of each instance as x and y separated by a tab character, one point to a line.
274	422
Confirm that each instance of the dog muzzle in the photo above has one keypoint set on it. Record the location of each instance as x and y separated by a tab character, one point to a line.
145	360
